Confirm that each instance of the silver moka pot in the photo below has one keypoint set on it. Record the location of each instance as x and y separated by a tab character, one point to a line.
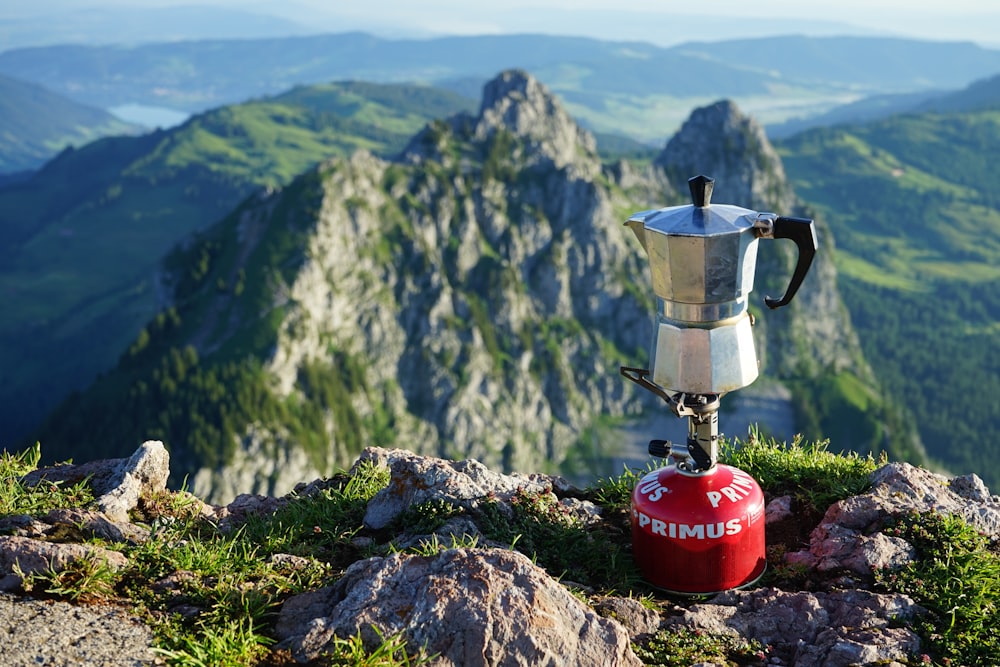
702	258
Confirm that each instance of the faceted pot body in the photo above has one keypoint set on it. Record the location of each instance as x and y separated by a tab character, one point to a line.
704	360
700	255
698	533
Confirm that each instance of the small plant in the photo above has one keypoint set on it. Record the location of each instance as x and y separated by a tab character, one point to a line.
87	580
615	493
231	645
683	646
428	516
806	471
956	576
432	546
391	652
229	584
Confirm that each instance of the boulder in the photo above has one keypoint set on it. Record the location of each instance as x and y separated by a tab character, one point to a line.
419	479
466	606
851	627
117	483
849	537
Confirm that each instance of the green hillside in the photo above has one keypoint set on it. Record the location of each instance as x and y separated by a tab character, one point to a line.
82	239
913	204
36	123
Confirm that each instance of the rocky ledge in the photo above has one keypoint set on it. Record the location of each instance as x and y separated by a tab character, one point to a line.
480	602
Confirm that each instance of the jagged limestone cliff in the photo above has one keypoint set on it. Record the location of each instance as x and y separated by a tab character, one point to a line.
473	298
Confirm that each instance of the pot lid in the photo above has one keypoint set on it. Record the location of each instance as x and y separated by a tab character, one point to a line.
700	217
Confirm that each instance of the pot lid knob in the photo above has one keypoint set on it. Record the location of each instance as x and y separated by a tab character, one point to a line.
701	190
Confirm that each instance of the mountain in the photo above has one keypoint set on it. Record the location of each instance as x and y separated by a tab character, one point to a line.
866	109
632	88
980	95
82	238
474	296
912	203
35	124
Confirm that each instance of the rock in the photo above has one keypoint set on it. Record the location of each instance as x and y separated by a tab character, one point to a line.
469	606
516	102
813	629
242	507
848	536
78	525
778	510
30	556
117	483
418	479
59	634
637	619
972	487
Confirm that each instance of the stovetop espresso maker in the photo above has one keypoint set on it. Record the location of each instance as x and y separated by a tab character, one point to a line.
698	526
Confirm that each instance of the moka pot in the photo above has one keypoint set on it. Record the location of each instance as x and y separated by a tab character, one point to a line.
702	259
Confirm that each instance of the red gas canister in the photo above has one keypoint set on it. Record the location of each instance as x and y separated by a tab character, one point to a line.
698	533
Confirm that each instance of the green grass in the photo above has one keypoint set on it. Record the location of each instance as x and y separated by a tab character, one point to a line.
805	470
16	497
681	647
956	576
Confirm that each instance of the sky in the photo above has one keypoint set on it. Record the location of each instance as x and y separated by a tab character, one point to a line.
661	22
976	20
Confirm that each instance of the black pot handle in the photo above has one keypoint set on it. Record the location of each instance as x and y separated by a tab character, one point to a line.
803	232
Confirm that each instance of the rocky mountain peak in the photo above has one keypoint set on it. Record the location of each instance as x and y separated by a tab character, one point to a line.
515	106
722	142
516	102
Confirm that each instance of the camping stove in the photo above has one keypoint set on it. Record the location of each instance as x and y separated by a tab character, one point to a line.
698	525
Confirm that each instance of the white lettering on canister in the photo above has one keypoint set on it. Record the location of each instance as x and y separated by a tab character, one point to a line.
739	488
686	531
653	490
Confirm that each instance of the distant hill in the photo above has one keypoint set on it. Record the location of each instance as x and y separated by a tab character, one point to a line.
864	110
980	95
35	124
82	238
631	88
912	201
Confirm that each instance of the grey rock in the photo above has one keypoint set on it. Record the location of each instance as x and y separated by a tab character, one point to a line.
58	634
245	505
637	619
779	509
117	483
143	473
30	556
833	629
848	536
79	525
468	606
971	486
22	525
417	479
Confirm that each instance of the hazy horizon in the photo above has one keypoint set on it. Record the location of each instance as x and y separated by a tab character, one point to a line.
49	22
